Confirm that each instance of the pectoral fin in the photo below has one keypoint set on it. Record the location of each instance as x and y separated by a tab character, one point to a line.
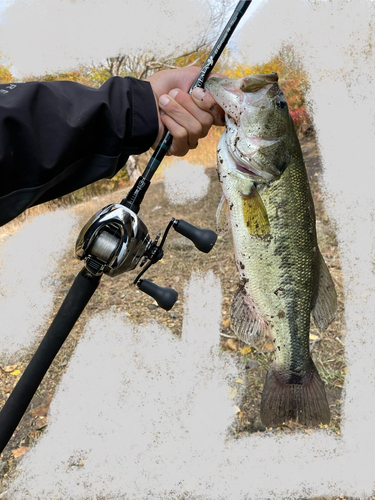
255	213
223	216
325	305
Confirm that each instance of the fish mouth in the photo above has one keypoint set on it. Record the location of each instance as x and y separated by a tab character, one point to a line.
247	84
227	94
230	93
251	94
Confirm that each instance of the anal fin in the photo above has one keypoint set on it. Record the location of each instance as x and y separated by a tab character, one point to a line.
325	305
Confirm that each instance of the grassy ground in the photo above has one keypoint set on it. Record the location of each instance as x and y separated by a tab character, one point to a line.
175	269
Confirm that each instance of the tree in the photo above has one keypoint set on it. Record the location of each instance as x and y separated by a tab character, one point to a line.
143	63
147	63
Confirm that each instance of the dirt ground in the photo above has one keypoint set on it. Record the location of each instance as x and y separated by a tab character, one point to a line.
179	261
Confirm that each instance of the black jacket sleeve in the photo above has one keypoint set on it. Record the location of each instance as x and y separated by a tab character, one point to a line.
56	137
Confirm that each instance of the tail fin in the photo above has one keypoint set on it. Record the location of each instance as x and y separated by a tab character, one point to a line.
294	397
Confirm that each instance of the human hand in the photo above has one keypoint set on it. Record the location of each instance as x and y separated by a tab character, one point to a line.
187	117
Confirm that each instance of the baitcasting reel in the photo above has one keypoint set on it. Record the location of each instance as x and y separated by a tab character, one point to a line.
115	239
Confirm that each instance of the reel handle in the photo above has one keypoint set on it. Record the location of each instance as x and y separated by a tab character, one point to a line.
165	297
203	239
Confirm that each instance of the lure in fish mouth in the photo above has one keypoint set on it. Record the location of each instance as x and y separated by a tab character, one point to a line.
282	275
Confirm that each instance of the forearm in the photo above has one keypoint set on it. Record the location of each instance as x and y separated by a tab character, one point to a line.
56	137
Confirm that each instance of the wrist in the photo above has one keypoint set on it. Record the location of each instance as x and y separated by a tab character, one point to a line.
145	119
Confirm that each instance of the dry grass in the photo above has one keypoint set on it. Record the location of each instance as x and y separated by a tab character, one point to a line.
16	223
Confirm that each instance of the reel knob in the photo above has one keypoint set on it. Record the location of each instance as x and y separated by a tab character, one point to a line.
203	239
165	297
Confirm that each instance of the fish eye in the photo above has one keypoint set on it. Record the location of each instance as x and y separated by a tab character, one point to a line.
280	104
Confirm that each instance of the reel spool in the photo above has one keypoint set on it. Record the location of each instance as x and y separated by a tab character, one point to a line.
113	241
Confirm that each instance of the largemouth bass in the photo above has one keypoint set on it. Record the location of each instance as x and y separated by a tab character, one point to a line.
283	277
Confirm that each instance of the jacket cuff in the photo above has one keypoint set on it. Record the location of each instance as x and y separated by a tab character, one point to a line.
145	121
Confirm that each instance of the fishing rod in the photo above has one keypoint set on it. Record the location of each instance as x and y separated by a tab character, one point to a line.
136	194
115	240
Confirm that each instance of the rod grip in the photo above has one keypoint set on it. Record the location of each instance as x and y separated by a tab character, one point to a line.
16	405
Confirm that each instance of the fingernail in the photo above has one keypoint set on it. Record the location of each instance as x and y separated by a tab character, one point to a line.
199	93
173	93
164	100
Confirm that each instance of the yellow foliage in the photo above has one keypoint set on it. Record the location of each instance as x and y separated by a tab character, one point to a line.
98	76
240	70
196	58
78	76
5	75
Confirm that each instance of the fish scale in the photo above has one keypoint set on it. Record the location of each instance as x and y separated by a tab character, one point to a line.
283	277
295	249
